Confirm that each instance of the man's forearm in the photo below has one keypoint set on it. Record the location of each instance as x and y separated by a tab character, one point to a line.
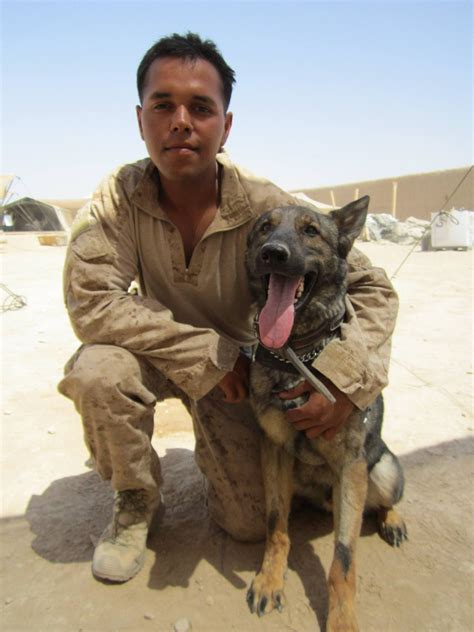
102	312
358	363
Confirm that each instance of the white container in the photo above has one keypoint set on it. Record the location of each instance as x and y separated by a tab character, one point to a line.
451	229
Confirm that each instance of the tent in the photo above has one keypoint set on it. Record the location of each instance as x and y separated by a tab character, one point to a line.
28	214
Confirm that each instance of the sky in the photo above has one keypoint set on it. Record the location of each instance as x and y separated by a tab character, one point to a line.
326	93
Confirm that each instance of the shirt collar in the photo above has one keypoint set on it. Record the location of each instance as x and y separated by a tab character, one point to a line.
234	208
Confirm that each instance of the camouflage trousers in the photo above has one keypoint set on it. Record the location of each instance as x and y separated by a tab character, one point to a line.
115	393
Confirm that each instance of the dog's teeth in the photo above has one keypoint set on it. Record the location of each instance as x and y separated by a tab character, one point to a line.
299	291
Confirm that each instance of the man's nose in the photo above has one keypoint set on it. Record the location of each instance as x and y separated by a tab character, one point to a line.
181	121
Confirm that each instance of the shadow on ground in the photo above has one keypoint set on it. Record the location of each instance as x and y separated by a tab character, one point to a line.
73	511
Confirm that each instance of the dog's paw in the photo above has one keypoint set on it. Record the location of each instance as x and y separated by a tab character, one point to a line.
392	527
342	621
265	594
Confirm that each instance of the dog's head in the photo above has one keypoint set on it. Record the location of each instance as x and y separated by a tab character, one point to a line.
296	258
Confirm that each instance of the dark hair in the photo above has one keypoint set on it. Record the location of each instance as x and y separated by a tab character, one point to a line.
192	47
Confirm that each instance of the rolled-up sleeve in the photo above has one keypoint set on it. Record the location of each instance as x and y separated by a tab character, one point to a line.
101	262
358	362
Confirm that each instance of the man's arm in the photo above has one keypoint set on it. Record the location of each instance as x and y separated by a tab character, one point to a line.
355	368
358	363
101	263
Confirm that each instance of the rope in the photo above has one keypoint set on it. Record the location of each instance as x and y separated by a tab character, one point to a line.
441	215
12	301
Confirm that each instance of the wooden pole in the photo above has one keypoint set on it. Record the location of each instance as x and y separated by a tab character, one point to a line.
394	199
364	235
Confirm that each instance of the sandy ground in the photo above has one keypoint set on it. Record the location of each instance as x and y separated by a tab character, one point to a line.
53	506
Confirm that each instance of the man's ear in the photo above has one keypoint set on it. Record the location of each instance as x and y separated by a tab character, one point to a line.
227	127
350	220
138	110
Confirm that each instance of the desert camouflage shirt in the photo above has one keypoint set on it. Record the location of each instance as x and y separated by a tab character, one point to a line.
190	320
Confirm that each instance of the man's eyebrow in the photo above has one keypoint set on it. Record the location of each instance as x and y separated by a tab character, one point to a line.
159	95
155	96
203	99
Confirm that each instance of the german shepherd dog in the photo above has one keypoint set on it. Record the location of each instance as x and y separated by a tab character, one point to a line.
296	263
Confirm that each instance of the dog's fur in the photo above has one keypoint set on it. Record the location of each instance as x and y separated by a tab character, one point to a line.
356	465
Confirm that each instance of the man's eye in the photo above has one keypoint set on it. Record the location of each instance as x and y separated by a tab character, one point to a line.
201	109
161	106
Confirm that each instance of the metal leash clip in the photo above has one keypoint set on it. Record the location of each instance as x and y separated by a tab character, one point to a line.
291	356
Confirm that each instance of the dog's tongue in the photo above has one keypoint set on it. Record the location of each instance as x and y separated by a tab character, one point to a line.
276	318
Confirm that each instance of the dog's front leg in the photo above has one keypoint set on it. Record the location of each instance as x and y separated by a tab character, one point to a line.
266	591
349	496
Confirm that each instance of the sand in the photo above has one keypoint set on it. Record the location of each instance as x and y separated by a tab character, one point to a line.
53	506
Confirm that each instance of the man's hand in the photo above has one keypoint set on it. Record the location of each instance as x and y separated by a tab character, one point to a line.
318	416
235	384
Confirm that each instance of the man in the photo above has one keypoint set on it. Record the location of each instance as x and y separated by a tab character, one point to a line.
178	222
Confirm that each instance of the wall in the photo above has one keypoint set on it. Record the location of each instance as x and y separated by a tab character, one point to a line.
416	195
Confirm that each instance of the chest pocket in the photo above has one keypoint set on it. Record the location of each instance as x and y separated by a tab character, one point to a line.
91	244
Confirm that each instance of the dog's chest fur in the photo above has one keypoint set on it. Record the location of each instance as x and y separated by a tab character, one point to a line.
270	411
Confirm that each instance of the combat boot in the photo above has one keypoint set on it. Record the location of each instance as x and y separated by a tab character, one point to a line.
120	552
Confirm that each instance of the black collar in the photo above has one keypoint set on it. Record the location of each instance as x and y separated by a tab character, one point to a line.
287	360
275	360
306	346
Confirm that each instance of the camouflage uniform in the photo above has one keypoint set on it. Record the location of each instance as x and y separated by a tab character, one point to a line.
182	334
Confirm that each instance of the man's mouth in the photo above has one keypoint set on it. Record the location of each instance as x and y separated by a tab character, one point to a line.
181	149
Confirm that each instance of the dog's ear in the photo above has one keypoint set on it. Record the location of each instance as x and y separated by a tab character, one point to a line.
350	220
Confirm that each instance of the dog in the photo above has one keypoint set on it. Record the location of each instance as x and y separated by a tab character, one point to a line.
297	268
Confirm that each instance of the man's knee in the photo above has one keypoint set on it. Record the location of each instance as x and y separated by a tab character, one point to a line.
103	372
243	520
242	530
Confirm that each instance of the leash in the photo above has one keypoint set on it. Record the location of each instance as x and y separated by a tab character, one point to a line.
287	355
291	356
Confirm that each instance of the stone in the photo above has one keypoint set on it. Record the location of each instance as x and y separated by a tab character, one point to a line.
182	625
382	226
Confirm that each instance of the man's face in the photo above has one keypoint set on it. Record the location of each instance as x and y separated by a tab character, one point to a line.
182	118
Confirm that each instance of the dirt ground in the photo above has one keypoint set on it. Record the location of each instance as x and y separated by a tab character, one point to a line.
53	506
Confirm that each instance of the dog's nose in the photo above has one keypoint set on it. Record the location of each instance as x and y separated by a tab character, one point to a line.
275	252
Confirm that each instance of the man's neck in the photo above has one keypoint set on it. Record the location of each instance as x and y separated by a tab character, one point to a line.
190	197
191	205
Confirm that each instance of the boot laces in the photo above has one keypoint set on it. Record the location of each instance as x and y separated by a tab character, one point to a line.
134	501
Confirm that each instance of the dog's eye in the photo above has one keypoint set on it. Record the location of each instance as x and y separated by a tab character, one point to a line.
265	227
310	230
